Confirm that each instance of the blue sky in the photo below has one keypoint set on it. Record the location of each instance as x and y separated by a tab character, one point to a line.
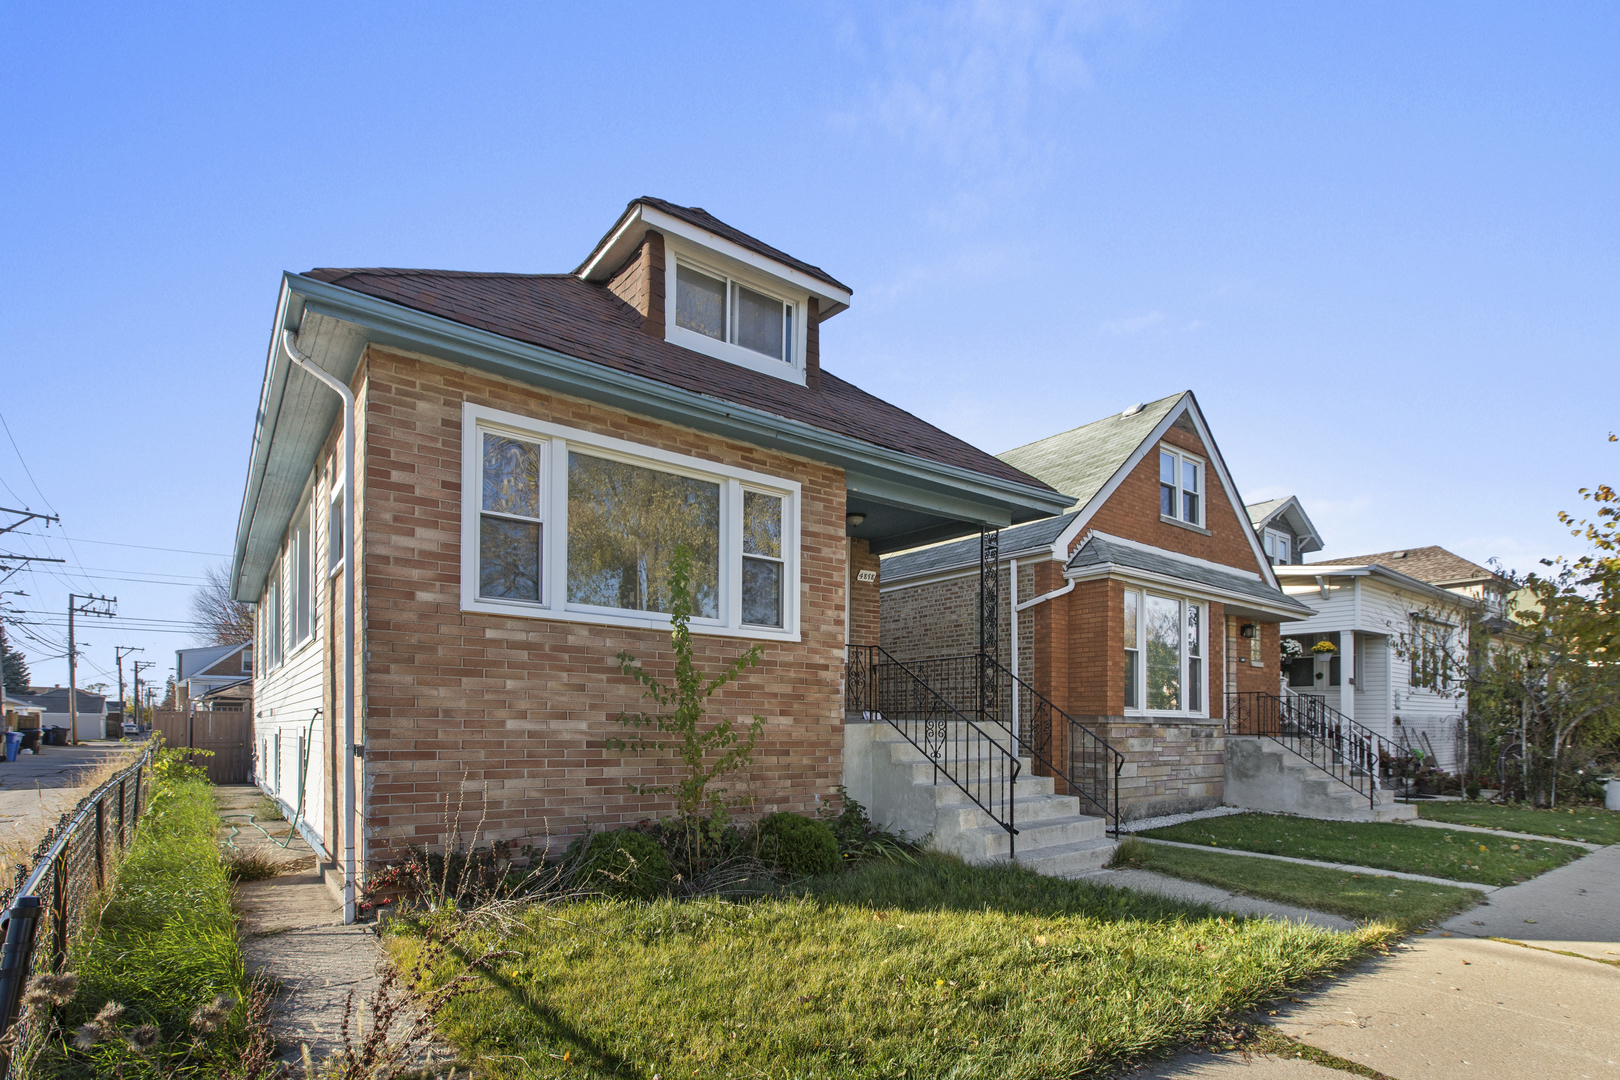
1378	240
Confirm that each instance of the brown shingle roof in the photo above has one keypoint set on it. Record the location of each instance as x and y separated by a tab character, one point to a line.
586	321
1435	565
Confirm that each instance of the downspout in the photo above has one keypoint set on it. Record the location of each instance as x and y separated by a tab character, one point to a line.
351	751
1025	606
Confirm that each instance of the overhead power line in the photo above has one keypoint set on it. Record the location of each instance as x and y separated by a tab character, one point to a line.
143	547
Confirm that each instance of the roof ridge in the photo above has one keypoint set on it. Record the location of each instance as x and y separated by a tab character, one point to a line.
1100	420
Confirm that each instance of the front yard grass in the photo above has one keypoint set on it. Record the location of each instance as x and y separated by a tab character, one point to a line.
1583	823
1442	853
1361	897
887	969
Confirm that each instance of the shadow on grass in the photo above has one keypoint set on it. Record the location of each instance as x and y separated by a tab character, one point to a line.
553	1024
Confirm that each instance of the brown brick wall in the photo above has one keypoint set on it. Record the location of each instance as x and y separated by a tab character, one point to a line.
506	717
1132	512
865	602
640	282
812	345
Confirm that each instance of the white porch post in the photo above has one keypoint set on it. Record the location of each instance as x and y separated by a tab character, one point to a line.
1347	671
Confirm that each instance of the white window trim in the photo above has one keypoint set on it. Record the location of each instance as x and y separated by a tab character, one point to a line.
1276	536
729	271
1187	602
1203	485
296	644
334	513
556	441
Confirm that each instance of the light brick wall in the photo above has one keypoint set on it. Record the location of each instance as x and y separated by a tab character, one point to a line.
864	599
506	717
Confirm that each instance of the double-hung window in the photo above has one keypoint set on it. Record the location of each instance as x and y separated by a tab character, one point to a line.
1164	654
567	524
1181	486
725	309
1277	545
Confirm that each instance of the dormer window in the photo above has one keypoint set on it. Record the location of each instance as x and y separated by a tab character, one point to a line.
1276	545
722	308
1181	487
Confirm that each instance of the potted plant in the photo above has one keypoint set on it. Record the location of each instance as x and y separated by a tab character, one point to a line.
1324	650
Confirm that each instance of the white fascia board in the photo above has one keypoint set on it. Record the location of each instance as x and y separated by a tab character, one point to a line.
833	299
1191	560
1130	575
638	221
1378	570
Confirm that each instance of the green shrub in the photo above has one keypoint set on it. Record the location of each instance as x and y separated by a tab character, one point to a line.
799	845
623	863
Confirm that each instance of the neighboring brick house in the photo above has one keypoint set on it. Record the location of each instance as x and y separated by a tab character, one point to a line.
529	449
214	678
1136	612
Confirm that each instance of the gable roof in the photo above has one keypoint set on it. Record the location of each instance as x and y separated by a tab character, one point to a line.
1434	565
1080	461
55	699
190	662
1100	551
1288	508
702	219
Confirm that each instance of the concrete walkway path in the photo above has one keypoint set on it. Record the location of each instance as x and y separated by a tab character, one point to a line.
292	931
1198	893
1372	871
1422	824
1575	908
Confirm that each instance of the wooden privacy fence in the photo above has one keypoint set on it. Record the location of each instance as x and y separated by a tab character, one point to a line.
225	733
51	902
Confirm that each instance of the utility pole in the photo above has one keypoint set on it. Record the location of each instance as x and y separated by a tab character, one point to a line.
123	651
138	664
89	608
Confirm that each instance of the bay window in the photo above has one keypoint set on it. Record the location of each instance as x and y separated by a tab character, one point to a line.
1181	487
567	524
1164	653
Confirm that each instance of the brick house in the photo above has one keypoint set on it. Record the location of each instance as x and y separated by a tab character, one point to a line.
1134	614
528	450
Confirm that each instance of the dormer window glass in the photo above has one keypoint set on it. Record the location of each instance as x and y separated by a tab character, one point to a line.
727	310
1181	487
1277	544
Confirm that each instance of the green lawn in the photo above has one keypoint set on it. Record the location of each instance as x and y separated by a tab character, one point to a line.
884	970
1442	853
1582	823
1362	897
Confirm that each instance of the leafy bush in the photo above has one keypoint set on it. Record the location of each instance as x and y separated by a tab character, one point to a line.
622	863
857	837
799	845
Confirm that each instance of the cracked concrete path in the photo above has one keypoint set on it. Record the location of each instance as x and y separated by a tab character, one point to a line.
292	931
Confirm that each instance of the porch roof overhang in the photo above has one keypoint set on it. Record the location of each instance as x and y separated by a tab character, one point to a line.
1310	573
905	499
1242	594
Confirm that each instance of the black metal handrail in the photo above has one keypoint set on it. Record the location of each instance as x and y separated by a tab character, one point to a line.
961	750
1093	766
1333	743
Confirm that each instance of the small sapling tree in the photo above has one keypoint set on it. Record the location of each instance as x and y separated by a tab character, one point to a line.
709	751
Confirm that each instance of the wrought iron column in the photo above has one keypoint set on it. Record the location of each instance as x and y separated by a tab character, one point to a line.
989	620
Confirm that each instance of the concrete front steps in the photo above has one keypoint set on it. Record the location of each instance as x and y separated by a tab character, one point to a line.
1054	837
1262	774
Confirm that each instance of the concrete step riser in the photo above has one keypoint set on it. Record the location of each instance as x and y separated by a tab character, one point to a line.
1032	842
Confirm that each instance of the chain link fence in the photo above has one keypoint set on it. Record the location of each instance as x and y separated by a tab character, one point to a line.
51	895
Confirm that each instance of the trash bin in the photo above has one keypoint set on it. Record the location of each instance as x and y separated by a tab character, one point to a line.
1611	799
13	744
30	739
56	736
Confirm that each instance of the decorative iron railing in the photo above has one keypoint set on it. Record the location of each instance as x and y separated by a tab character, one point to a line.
967	753
1330	741
73	863
1021	715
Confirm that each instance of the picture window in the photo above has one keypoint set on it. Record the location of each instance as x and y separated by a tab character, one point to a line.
1164	654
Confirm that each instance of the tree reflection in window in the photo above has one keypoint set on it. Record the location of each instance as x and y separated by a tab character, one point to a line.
762	567
509	529
1163	653
624	523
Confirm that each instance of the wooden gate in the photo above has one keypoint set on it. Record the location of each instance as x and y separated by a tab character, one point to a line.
225	733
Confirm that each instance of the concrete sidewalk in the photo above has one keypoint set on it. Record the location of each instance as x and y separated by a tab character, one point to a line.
1197	893
1368	871
1575	908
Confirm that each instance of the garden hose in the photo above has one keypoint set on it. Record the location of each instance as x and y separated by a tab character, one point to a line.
303	781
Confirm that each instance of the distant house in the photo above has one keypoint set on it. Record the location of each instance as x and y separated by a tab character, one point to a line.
218	678
21	712
1286	534
54	703
1398	624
